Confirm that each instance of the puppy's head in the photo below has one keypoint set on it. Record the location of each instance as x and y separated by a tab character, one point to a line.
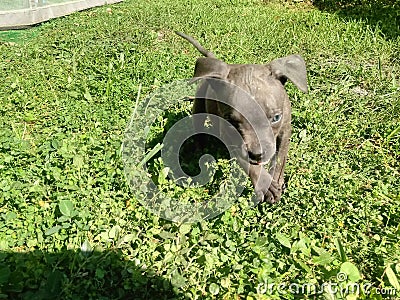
253	100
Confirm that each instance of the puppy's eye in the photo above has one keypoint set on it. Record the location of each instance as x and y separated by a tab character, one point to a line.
276	118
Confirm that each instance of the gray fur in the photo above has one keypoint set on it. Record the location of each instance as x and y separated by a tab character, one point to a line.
265	83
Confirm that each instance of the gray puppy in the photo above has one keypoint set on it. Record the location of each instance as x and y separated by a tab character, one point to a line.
258	107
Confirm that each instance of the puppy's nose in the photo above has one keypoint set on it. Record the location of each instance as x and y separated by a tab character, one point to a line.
255	156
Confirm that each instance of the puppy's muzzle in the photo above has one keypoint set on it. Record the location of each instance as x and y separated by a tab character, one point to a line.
258	158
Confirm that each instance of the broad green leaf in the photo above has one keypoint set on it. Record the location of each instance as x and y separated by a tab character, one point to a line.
168	257
10	216
303	265
214	288
185	228
31	242
100	273
78	161
29	117
392	278
70	187
166	235
53	230
302	246
3	245
164	172
66	208
128	237
323	259
283	239
261	241
351	271
210	259
163	176
225	282
178	280
55	144
87	95
73	94
114	232
86	247
303	134
211	237
63	219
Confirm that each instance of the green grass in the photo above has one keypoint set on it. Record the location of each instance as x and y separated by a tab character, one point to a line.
70	227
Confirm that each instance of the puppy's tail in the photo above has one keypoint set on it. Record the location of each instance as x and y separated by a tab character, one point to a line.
195	43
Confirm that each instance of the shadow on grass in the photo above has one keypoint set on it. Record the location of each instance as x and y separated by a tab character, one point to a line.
193	147
77	275
382	14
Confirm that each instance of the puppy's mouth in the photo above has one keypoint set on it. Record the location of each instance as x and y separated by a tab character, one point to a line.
259	163
263	160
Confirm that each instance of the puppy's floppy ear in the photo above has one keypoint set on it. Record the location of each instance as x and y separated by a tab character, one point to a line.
210	67
290	67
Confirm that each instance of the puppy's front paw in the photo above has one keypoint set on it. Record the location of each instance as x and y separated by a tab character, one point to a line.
261	188
268	190
273	195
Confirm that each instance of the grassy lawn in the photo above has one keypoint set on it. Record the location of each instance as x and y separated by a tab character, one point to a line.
70	228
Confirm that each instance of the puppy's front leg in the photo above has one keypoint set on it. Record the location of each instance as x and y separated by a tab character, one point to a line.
264	186
282	145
